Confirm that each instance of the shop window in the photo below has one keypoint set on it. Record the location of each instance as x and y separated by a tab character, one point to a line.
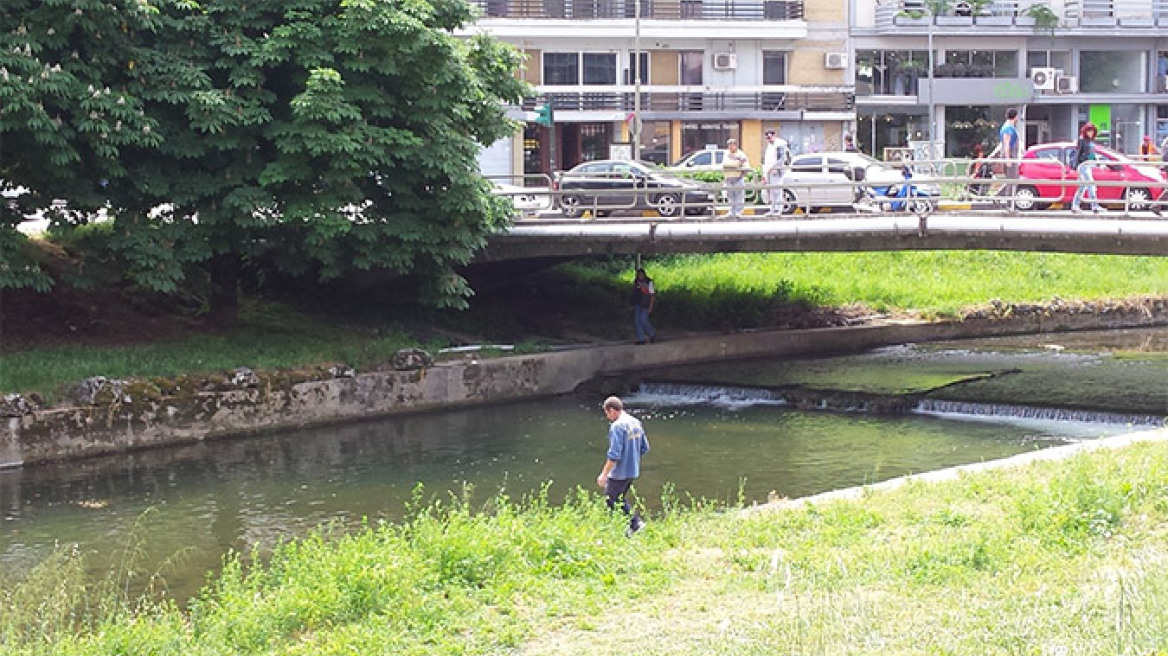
1111	71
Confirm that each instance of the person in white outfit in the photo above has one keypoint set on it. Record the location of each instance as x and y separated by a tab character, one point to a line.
774	165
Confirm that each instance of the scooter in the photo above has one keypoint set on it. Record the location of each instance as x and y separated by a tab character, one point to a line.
901	197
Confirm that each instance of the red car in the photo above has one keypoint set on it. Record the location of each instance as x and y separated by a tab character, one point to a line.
1047	178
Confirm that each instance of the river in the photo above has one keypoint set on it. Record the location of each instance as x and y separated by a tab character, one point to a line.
718	431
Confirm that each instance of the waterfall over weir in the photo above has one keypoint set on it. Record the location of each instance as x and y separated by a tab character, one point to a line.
727	396
738	397
1006	410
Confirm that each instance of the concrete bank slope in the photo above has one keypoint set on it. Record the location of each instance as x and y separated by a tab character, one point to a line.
950	473
145	414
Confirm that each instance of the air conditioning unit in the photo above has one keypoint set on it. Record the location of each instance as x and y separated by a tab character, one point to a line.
1043	78
1066	84
725	61
835	60
1164	84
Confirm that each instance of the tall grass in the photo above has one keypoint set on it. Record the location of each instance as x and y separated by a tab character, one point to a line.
1058	557
933	282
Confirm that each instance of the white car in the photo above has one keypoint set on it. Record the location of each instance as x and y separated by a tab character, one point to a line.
839	179
529	201
709	159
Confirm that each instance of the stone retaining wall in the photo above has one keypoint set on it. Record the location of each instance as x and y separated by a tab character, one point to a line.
152	416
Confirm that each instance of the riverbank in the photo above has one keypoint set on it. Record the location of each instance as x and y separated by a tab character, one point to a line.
112	416
1047	557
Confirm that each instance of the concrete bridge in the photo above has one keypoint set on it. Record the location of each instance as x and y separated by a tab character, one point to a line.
1132	233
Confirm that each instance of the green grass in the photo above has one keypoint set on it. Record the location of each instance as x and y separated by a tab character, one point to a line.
1057	557
932	282
268	337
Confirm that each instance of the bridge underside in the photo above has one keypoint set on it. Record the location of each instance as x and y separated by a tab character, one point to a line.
547	239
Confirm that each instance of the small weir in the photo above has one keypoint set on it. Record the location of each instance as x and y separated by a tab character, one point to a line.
959	408
734	397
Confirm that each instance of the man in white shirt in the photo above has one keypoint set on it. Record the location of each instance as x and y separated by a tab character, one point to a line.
774	164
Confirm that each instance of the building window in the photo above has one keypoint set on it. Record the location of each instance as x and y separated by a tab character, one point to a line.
655	141
1059	59
1111	71
774	67
630	72
890	72
699	135
979	63
599	68
692	62
561	68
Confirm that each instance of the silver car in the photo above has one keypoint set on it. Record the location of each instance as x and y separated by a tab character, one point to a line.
839	179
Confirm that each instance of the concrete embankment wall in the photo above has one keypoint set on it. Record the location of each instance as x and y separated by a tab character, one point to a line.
171	416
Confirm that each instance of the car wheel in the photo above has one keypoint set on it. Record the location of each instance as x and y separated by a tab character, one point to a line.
789	202
1139	198
1026	199
667	205
921	206
570	205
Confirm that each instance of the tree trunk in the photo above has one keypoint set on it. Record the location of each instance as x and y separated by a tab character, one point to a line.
224	269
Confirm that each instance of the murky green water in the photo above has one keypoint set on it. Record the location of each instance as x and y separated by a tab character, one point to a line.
197	502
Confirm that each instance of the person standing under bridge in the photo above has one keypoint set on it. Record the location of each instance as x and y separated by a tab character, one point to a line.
643	298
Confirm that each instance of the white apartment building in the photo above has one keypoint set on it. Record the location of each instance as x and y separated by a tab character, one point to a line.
1066	62
711	70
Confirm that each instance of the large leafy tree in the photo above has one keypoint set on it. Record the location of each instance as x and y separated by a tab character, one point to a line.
314	135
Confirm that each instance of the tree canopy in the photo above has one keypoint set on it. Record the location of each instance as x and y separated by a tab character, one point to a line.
317	136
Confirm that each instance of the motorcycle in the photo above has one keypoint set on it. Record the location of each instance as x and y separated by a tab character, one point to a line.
903	196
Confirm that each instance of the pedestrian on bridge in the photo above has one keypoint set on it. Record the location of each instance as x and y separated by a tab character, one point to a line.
734	167
642	300
1084	153
774	165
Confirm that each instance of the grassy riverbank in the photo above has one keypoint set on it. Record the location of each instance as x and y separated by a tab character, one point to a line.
577	303
1054	558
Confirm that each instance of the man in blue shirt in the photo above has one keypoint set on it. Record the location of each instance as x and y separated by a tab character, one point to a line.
626	444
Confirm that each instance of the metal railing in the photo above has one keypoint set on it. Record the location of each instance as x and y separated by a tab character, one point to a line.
932	186
745	10
679	99
1072	13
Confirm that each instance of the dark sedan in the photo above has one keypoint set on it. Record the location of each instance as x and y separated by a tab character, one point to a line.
610	185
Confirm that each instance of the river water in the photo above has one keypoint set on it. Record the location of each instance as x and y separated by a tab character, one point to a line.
717	431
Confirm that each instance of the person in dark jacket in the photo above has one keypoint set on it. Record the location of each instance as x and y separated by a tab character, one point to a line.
642	300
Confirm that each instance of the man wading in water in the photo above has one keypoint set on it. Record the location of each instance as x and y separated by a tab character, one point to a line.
626	444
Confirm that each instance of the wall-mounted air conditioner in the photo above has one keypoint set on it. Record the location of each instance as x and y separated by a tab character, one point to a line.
1043	78
1164	83
725	61
835	60
1066	84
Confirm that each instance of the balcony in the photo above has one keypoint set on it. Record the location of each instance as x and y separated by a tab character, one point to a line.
1015	16
677	100
714	10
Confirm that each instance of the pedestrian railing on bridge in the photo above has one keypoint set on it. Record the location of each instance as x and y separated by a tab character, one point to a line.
1130	188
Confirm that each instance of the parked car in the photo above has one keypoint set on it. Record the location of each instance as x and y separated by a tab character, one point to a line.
709	159
528	201
1047	178
605	186
839	179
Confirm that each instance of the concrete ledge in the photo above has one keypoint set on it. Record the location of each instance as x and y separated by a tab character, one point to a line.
277	404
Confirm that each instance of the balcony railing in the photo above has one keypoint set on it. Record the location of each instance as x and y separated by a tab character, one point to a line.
746	10
1071	14
811	99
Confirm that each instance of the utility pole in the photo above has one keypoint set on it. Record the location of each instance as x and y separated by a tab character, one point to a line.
637	80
